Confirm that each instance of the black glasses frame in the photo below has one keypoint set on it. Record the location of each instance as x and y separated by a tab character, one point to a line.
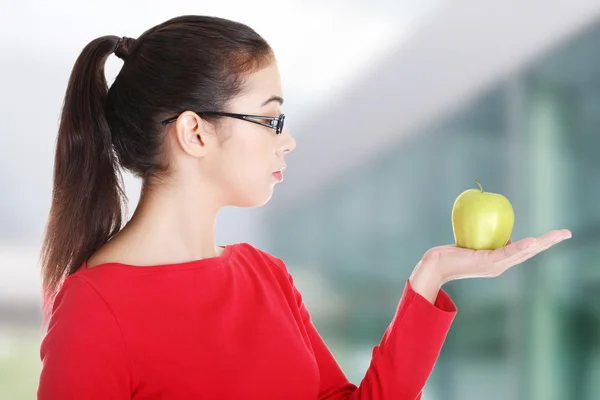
274	122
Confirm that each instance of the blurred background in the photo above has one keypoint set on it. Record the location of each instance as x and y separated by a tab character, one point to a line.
397	107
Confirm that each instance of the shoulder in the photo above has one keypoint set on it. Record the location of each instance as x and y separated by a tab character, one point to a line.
83	339
80	315
263	258
78	300
261	255
76	289
79	311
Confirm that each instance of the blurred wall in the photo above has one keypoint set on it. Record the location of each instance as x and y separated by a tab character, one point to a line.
358	228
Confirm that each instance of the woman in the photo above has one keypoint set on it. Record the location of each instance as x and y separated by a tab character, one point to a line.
155	309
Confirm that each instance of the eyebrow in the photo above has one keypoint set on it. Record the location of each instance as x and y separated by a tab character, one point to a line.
273	98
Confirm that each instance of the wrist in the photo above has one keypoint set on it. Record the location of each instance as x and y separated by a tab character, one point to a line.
426	281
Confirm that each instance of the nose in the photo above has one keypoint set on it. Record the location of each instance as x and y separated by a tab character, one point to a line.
288	143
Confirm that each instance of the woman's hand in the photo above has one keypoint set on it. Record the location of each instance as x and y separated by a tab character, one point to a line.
447	263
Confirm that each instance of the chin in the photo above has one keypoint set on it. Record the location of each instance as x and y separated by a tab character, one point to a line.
254	201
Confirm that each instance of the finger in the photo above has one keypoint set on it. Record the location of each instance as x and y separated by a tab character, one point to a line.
524	250
508	252
515	253
543	243
547	241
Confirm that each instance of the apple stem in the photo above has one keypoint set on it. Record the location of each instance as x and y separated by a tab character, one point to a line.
480	187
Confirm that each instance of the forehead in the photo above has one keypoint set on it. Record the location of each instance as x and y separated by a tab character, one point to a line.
260	85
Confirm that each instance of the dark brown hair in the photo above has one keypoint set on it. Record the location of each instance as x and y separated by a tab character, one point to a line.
186	63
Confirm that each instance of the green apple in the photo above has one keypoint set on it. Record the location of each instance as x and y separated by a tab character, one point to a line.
482	220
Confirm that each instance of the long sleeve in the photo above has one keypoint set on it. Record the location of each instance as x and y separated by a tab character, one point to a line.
83	353
404	359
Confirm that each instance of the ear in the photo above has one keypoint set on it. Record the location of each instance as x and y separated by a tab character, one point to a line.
193	134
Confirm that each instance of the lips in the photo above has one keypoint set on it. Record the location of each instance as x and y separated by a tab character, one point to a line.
279	174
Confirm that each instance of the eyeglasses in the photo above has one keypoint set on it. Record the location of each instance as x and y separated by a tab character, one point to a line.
273	122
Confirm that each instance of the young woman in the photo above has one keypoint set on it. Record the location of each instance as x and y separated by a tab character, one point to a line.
155	309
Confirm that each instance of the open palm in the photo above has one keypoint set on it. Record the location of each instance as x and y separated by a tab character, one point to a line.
453	262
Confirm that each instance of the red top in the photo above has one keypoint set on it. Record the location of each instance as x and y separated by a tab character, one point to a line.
228	327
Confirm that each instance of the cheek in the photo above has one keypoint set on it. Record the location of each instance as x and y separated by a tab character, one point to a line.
246	176
247	161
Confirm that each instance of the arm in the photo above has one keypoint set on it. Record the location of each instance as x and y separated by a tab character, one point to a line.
405	357
83	354
402	362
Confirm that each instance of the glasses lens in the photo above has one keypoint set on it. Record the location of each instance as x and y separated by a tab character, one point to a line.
280	124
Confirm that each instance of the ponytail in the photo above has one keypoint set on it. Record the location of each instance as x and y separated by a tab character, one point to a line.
87	196
186	63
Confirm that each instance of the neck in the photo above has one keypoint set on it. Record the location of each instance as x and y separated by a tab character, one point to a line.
174	224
